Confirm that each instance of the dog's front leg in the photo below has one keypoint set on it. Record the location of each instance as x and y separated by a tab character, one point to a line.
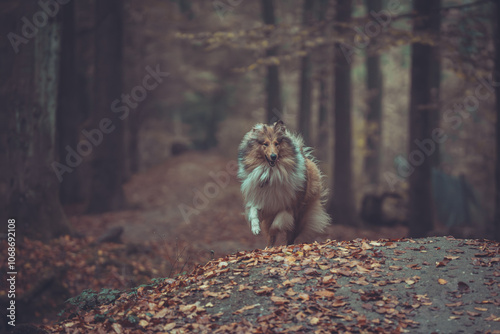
253	218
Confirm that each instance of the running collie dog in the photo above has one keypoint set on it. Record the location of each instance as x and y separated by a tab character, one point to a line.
281	183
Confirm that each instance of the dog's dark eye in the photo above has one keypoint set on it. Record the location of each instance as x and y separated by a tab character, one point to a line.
265	144
276	144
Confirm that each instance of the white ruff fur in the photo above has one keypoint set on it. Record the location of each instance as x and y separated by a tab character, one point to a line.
273	188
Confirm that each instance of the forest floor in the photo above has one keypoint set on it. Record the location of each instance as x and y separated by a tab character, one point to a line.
390	285
431	285
157	240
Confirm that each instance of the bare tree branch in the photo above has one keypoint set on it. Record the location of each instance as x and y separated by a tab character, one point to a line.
444	9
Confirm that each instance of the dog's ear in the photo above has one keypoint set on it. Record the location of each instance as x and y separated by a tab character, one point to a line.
279	126
257	127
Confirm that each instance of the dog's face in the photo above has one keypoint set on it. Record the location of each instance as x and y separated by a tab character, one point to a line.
269	146
271	142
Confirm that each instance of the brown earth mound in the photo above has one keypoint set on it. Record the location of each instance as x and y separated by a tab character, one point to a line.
432	285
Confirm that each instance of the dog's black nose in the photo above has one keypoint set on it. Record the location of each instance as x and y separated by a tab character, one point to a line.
273	157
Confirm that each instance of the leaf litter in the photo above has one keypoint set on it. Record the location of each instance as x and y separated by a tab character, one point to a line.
318	288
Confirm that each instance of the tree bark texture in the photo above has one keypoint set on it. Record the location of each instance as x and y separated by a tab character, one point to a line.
422	110
29	188
305	101
374	86
108	160
69	115
497	94
274	105
343	202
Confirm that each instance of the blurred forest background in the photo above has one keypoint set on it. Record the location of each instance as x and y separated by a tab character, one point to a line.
120	121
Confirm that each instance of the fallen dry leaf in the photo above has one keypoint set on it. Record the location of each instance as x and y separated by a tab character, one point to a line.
409	281
117	328
304	296
473	314
325	294
169	326
279	300
242	287
367	306
245	308
311	272
493	317
395	268
161	314
187	308
338	303
264	290
482	309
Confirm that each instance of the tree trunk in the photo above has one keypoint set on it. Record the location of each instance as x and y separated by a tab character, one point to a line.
322	138
69	117
134	123
321	145
29	188
435	26
422	109
85	19
273	89
108	160
343	204
304	122
374	86
497	94
135	54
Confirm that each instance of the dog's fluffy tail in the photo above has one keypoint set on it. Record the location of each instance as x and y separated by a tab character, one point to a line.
316	218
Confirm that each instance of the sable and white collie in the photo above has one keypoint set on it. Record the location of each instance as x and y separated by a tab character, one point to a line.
281	183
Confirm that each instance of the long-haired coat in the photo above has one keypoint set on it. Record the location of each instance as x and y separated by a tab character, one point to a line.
281	183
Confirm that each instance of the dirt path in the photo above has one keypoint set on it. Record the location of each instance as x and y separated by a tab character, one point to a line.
157	195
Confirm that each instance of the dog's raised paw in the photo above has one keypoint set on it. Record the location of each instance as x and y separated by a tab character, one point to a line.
256	230
255	226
